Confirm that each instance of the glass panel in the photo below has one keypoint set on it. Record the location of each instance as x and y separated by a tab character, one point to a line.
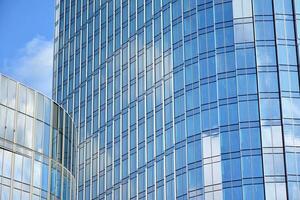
38	136
18	167
47	110
7	164
16	194
20	130
11	97
46	139
10	125
40	107
37	174
2	121
3	86
266	82
266	56
5	193
242	8
269	109
22	99
263	7
30	102
26	170
28	132
1	161
25	196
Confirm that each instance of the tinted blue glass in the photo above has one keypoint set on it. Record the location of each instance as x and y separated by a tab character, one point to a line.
207	89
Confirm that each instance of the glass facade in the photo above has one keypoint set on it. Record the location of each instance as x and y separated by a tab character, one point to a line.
181	99
37	148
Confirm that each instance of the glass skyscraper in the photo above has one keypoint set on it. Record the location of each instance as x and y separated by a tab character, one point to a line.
37	151
182	99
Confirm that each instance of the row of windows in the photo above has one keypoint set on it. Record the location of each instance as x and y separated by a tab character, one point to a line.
35	122
22	170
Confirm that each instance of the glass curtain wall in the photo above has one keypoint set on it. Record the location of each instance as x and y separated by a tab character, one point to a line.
181	99
37	151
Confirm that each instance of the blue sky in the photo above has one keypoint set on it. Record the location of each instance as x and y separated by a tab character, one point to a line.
26	39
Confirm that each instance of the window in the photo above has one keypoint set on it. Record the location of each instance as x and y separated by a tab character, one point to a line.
37	174
22	99
194	151
169	164
5	192
2	122
290	107
269	109
1	161
287	55
242	8
247	84
251	166
195	179
166	18
7	164
159	144
179	131
266	56
264	30
177	32
244	33
18	167
191	74
141	157
167	40
170	190
178	80
190	49
20	130
284	25
271	136
176	11
17	195
148	11
10	116
248	111
169	138
157	26
180	157
132	187
150	176
11	93
189	5
179	106
30	102
262	7
275	191
159	120
38	137
168	113
273	164
283	7
26	170
181	185
159	172
157	5
190	24
266	82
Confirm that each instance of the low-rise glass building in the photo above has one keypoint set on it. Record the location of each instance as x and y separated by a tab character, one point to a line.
37	154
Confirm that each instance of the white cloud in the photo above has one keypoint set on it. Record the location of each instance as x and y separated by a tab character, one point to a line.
32	65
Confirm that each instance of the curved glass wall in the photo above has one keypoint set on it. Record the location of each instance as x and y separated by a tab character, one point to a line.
182	99
37	152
